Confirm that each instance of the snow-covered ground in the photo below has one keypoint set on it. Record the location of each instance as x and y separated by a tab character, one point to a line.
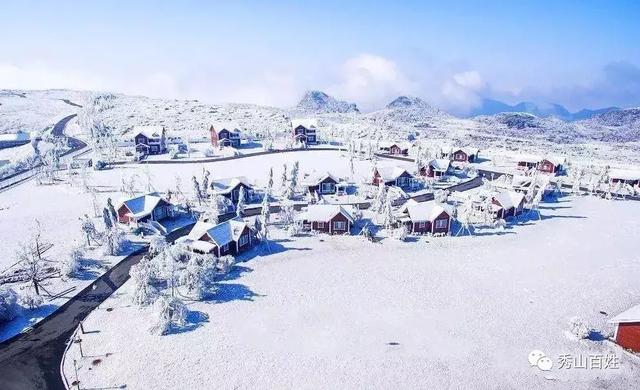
341	312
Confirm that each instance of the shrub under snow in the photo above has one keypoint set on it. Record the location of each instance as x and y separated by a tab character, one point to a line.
30	299
70	264
9	308
171	313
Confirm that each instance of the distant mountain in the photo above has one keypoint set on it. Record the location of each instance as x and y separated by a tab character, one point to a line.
320	102
492	107
615	126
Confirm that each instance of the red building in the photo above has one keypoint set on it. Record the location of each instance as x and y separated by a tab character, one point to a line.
149	207
508	204
325	218
394	149
436	168
227	238
305	131
551	165
323	184
465	155
225	135
393	176
428	217
627	333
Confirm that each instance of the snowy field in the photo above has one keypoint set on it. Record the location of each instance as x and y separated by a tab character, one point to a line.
340	312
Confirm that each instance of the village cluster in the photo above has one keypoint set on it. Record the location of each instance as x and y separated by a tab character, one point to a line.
447	192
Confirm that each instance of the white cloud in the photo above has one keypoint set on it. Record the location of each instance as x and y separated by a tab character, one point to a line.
462	90
371	81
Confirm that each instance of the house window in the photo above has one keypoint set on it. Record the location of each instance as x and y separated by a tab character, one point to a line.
244	240
326	188
224	248
422	225
340	225
441	224
402	181
320	225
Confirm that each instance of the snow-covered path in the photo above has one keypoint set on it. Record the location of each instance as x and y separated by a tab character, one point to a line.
457	312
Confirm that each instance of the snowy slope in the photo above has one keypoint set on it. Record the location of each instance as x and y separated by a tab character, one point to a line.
320	102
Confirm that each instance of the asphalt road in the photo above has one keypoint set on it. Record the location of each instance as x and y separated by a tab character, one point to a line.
32	360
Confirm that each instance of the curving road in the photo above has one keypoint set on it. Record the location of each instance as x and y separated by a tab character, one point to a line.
32	360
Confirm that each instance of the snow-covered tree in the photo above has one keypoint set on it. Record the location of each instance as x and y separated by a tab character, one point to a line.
205	181
143	291
71	263
157	245
240	204
283	178
30	298
388	217
148	178
113	241
197	191
293	179
9	308
287	212
88	229
32	258
224	264
270	181
170	313
378	202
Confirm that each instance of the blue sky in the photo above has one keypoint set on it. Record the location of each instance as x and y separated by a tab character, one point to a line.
577	53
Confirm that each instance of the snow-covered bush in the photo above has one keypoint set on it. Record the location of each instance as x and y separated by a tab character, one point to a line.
224	264
171	313
30	299
401	233
193	277
143	292
578	328
293	229
114	241
9	308
157	244
70	264
209	152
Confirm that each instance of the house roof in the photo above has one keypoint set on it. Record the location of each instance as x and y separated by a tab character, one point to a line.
555	160
509	199
324	212
427	211
624	174
404	208
149	131
630	315
401	145
231	126
528	158
467	150
308	123
221	234
226	185
440	164
316	179
391	173
142	205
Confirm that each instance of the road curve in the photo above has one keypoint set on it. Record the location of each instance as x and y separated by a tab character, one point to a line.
32	360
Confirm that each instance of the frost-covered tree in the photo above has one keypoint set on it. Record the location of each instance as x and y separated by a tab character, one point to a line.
148	178
113	241
141	275
205	180
129	185
240	204
71	263
89	229
378	202
32	259
170	314
30	298
283	178
388	217
270	181
157	245
197	191
293	180
9	308
287	212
